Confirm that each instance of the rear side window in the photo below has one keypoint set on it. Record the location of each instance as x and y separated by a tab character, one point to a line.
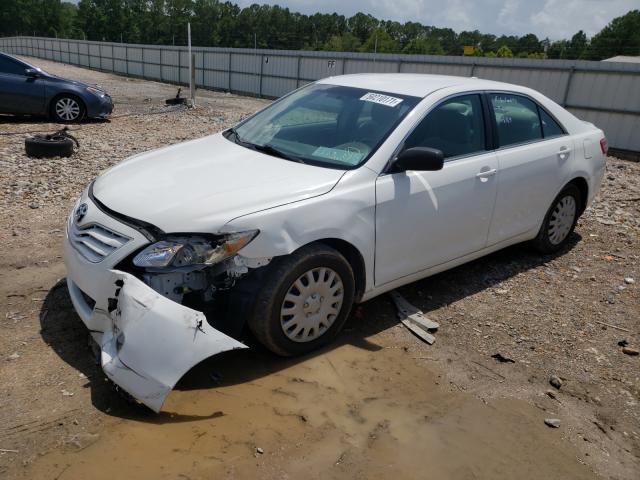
9	66
516	118
550	127
456	127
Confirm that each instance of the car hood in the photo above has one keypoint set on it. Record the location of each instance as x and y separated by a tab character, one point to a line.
200	185
77	83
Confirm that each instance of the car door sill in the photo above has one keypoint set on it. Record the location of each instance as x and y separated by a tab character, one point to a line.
427	272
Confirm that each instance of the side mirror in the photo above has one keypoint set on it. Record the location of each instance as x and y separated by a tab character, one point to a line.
419	159
32	73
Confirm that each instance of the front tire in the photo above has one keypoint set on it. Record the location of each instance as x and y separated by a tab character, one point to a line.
67	109
560	221
303	301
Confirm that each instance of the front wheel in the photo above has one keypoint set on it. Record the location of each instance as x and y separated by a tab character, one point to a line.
67	109
304	301
559	221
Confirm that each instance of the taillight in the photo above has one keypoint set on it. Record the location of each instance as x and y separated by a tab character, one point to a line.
604	146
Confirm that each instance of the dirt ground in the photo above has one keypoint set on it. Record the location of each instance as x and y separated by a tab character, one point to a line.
377	403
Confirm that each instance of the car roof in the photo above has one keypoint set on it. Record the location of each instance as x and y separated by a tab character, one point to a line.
415	84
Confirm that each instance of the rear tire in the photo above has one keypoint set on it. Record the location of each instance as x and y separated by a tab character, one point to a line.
67	109
560	221
303	301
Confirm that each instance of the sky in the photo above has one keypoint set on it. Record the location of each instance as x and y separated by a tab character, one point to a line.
555	19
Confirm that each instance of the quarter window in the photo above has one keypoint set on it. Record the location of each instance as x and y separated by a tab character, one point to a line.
516	119
456	127
550	127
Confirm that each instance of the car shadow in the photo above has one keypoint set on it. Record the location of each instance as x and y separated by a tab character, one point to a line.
62	329
43	120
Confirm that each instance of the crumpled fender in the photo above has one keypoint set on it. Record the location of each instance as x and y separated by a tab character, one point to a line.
153	341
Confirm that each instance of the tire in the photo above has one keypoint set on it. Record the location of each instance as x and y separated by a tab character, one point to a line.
67	109
560	221
39	147
320	319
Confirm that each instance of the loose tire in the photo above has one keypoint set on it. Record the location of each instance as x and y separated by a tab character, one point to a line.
560	221
67	109
40	146
303	300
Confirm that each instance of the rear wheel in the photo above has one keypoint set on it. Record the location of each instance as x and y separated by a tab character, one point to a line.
560	221
67	109
303	301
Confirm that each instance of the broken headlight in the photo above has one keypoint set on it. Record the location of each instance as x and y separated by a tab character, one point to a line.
189	251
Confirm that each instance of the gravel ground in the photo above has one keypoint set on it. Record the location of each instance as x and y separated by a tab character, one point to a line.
560	316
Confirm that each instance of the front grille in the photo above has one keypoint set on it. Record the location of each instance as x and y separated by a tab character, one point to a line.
95	242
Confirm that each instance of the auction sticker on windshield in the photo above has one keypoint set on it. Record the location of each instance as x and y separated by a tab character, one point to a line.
381	99
349	157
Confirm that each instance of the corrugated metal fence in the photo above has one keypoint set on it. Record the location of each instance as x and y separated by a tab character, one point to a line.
606	94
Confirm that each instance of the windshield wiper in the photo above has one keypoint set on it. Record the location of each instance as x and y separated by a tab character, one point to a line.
271	150
268	149
236	138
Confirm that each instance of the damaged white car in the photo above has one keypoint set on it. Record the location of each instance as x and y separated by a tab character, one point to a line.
338	192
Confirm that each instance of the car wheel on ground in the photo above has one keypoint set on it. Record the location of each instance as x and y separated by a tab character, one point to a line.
559	221
304	300
67	109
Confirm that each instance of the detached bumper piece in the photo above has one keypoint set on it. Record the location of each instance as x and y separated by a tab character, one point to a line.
153	341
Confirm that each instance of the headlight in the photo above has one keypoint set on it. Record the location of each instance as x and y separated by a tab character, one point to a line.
189	251
96	91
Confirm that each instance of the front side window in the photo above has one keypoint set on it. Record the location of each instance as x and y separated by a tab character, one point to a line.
455	127
9	66
325	125
516	119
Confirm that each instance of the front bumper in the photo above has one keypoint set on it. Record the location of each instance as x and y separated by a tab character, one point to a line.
148	342
100	107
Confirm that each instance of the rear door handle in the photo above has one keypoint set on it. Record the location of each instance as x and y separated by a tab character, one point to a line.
563	154
486	173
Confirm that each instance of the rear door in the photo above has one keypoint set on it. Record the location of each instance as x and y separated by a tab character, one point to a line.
424	219
532	148
19	93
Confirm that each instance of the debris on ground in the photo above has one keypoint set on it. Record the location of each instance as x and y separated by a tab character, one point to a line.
552	422
413	318
555	381
630	351
502	359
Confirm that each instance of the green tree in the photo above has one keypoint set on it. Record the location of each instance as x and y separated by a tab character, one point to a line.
342	43
423	46
577	46
380	41
504	52
620	37
362	25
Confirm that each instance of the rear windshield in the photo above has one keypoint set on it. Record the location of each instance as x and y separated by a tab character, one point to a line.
326	125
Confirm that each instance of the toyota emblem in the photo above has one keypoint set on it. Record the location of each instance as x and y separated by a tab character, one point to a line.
80	212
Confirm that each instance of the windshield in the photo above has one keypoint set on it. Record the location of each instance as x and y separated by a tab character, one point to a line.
326	125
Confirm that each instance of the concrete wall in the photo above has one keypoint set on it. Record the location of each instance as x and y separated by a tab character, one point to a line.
604	93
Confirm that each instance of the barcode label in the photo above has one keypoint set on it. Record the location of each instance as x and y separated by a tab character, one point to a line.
381	99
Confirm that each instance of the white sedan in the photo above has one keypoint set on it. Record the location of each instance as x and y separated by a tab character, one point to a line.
340	191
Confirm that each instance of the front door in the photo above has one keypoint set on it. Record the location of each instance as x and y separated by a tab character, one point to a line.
19	93
424	219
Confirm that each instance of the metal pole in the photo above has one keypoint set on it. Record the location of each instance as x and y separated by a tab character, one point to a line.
255	52
192	72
